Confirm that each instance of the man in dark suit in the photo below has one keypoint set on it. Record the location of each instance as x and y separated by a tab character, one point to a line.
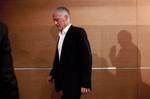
71	71
8	83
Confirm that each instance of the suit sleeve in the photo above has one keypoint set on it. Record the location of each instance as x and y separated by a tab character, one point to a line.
8	78
52	72
85	59
53	68
5	51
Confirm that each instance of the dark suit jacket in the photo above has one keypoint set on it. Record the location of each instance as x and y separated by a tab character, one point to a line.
8	83
73	70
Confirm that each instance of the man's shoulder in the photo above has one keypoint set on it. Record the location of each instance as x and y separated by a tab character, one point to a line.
77	28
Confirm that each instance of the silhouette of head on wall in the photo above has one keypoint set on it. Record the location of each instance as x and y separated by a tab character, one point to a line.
124	38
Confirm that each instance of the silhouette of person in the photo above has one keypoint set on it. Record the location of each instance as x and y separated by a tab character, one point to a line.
8	82
127	62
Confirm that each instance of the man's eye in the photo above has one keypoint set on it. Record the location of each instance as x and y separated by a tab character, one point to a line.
56	20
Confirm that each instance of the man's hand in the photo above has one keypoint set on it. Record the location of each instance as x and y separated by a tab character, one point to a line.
50	79
113	51
85	90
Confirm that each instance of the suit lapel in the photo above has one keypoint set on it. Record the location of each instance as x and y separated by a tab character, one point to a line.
67	37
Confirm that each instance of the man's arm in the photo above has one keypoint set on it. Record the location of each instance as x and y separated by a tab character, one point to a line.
85	60
52	72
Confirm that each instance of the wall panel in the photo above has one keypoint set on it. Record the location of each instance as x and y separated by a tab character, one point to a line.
117	28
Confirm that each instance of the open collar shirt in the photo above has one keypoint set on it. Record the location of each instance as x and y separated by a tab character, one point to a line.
62	35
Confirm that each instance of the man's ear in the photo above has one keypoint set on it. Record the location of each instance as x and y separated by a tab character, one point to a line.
66	17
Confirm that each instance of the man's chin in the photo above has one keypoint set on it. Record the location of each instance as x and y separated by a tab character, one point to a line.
59	28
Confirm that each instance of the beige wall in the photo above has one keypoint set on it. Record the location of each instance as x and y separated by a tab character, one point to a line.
33	38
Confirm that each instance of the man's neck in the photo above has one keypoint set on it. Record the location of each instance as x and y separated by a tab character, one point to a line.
65	27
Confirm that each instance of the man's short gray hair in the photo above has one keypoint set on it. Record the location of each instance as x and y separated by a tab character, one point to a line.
63	10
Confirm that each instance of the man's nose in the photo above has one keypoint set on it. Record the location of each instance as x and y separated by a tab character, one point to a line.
55	22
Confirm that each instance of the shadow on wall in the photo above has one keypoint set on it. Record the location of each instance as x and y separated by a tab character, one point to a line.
126	82
128	62
99	61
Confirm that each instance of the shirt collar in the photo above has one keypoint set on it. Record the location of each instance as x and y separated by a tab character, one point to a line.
65	30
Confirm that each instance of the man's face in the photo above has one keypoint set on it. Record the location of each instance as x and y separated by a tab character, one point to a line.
60	20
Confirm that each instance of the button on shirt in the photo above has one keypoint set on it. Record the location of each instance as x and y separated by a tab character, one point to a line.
62	35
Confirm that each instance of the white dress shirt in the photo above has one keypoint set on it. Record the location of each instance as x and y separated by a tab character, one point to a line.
62	35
